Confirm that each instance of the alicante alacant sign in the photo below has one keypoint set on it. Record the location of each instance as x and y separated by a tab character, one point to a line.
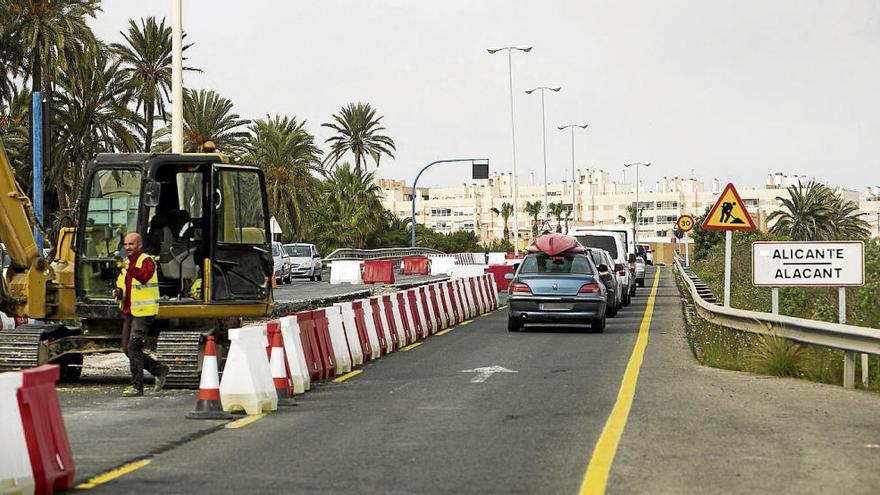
831	264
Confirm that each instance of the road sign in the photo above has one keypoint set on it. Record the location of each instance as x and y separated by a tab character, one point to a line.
831	264
729	213
685	223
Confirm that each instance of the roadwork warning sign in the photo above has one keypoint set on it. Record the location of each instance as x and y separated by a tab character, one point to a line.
833	264
729	213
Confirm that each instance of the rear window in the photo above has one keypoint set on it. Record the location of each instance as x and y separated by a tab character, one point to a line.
605	242
564	263
598	259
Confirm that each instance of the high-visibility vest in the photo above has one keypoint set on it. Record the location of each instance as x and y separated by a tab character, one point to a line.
144	297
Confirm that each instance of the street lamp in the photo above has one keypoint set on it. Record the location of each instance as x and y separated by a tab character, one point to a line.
573	174
509	50
542	89
638	211
474	161
176	76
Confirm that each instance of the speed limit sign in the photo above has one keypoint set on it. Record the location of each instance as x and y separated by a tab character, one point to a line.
685	223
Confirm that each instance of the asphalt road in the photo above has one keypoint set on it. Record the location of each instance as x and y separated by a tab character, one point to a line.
415	422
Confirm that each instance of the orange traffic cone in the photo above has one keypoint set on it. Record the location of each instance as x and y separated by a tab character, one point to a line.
208	402
279	369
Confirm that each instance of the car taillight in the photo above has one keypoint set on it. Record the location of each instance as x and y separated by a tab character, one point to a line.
520	288
622	273
590	288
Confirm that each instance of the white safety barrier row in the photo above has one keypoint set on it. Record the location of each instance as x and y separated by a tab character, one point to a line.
442	265
462	271
353	333
346	271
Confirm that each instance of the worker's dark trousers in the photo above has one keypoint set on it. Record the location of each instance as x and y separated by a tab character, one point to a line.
134	331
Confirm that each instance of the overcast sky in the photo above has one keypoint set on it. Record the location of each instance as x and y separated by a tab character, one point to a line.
731	89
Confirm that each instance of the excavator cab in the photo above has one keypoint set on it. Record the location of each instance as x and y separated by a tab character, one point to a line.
205	222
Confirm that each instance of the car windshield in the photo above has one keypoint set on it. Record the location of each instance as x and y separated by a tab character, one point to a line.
564	263
605	242
298	251
276	251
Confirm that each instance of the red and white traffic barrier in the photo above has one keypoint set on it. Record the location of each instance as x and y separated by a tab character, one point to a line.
16	475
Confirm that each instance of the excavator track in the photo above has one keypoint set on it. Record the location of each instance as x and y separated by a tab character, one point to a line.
20	347
180	350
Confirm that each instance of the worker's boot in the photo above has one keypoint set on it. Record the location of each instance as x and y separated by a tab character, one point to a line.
132	392
160	378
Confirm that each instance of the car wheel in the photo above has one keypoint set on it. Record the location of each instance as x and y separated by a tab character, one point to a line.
513	325
598	325
318	277
611	310
642	283
626	299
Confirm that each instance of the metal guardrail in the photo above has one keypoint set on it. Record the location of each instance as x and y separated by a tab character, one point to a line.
379	254
848	338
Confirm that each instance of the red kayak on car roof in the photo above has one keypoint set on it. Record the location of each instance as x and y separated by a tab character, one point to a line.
553	244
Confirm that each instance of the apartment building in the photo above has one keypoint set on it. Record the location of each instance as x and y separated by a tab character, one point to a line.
597	200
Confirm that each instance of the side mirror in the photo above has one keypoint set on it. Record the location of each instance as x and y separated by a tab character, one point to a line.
603	267
152	190
508	276
316	255
606	277
632	258
619	267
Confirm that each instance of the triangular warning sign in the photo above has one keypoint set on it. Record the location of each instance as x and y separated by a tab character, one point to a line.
729	213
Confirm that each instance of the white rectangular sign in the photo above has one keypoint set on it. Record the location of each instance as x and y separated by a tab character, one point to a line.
819	263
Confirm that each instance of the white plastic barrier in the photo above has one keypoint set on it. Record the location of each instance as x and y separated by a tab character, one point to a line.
16	474
372	332
444	292
464	271
247	379
480	258
346	271
462	313
296	358
407	309
402	335
442	265
496	258
445	317
432	315
338	339
424	322
351	335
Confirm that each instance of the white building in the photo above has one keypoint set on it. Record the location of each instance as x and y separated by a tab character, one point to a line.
598	199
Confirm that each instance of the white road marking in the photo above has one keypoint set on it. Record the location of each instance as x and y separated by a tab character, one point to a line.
483	374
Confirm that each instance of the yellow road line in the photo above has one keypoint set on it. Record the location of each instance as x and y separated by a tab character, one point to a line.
596	477
350	374
112	475
468	322
241	423
444	332
410	347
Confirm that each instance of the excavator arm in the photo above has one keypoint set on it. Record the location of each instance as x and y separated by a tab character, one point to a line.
29	274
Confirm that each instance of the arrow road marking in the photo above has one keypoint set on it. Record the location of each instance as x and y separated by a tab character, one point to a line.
483	374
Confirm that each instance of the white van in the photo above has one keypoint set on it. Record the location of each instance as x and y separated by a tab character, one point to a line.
615	242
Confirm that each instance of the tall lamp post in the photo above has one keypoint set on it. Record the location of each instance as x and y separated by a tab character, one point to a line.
416	181
638	211
573	173
542	89
176	76
509	50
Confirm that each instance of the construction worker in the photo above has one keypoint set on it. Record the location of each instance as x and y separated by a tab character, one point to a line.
137	290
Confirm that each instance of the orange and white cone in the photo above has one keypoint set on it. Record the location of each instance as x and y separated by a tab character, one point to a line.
279	371
208	402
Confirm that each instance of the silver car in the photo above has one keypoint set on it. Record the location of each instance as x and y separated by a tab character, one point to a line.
281	263
304	261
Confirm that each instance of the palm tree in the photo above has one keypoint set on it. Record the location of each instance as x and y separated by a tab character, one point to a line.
351	211
287	154
146	68
48	34
533	209
358	132
15	131
90	117
207	117
558	211
845	222
802	212
632	214
505	212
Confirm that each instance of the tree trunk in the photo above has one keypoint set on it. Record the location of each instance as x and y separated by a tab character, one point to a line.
149	115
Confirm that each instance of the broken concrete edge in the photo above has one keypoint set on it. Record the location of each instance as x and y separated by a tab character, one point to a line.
284	308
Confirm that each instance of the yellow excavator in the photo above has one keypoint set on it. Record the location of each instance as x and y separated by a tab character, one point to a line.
204	220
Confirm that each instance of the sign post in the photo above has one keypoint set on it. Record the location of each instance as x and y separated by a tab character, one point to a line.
685	224
728	214
838	264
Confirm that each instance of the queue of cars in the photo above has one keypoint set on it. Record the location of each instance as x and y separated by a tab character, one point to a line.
585	281
296	260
